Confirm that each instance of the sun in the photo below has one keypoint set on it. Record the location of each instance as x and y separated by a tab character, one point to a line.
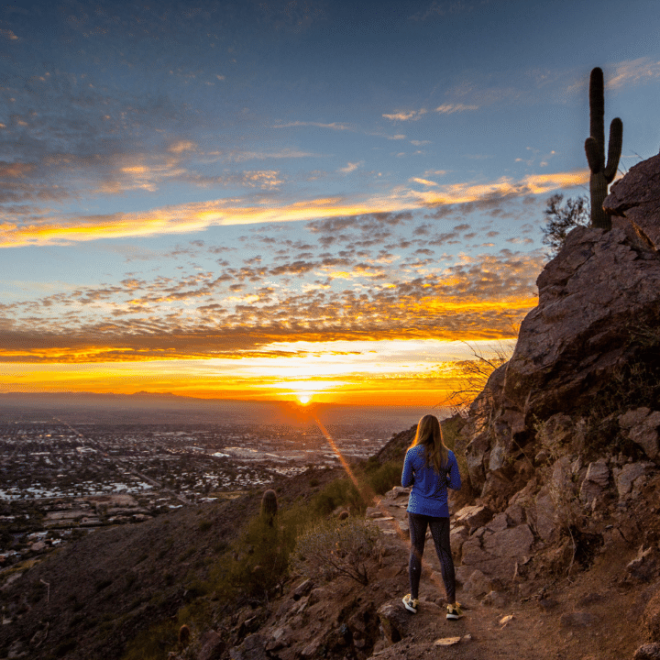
303	398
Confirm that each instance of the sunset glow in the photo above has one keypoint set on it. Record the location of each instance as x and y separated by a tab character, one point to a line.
252	201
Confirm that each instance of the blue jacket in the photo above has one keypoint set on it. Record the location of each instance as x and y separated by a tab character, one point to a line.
429	489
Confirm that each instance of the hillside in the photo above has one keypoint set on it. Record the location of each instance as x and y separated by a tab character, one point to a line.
555	535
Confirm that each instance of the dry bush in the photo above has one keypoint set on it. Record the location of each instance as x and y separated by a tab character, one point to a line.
474	374
333	548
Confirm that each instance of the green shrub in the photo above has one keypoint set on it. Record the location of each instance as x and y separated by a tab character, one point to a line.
153	643
258	560
341	492
384	477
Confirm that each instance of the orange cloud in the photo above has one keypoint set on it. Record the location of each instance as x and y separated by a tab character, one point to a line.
197	217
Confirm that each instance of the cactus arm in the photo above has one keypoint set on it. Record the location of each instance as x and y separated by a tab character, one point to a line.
614	151
593	155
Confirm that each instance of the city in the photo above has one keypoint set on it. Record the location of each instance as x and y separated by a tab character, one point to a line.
59	483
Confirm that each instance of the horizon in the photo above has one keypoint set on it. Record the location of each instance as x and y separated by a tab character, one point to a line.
300	202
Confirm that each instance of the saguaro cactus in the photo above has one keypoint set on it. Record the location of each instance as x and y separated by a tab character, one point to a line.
601	174
269	506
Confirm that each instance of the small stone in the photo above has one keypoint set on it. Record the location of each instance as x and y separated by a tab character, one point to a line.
495	599
447	641
648	652
628	474
598	473
644	566
373	512
302	589
506	620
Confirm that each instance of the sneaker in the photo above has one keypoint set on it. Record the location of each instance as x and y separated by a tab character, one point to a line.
454	611
410	603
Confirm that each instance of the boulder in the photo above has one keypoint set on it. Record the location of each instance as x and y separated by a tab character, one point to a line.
628	474
457	537
648	652
473	516
398	493
394	620
252	648
651	618
636	197
641	426
516	515
580	330
496	554
598	473
644	566
595	481
478	584
546	525
211	646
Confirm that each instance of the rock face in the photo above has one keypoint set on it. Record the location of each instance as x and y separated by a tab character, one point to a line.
636	197
581	329
560	433
598	311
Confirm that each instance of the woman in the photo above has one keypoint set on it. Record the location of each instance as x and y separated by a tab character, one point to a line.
431	468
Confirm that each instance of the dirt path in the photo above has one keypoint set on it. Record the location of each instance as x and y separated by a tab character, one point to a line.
587	615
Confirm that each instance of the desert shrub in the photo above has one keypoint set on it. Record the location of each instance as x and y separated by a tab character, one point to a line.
341	492
451	430
331	548
258	561
204	525
384	477
560	220
153	643
473	374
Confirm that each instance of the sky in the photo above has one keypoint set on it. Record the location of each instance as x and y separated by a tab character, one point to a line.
292	199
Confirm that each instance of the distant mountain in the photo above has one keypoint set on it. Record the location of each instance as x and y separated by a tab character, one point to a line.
151	408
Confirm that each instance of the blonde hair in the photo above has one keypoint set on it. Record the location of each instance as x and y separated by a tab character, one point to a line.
429	435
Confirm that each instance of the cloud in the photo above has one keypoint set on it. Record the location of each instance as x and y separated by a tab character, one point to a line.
9	35
424	182
415	115
182	146
351	167
406	115
450	108
186	218
633	72
535	184
335	126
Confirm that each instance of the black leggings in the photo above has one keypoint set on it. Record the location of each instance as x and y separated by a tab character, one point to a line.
440	532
